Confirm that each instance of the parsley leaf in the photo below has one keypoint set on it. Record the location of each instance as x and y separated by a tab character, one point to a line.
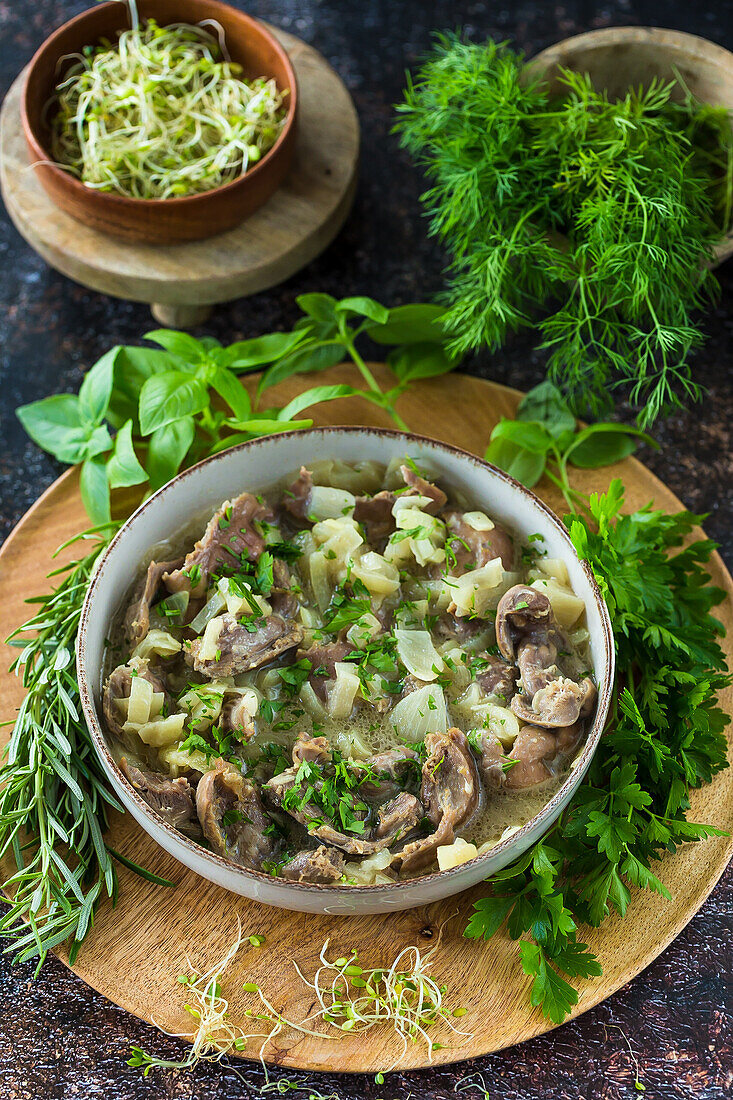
665	736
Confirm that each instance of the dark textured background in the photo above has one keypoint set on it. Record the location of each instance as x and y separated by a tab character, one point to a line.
57	1037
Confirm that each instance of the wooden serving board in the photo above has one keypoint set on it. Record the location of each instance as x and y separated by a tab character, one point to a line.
183	281
136	951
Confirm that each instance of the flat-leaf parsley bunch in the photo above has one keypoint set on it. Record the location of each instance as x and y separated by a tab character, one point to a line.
665	734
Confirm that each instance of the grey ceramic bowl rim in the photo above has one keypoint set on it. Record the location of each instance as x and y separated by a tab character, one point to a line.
605	691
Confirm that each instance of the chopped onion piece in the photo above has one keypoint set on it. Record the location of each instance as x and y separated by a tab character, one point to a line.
452	855
567	607
499	721
329	503
369	871
210	639
163	731
408	501
471	593
211	608
479	521
242	605
319	579
342	693
380	576
140	701
421	712
157	641
311	702
178	760
554	567
361	633
203	702
418	654
352	744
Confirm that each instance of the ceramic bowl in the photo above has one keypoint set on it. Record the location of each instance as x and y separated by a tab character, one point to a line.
258	466
160	221
619	58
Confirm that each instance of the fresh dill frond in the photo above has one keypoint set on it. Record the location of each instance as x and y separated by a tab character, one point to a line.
594	218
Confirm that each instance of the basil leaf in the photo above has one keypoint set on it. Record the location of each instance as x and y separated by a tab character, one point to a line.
411	324
420	361
133	367
229	387
123	467
261	425
96	388
167	448
364	307
320	306
526	466
168	397
180	344
55	424
301	361
95	489
603	444
527	435
314	396
97	442
545	405
264	349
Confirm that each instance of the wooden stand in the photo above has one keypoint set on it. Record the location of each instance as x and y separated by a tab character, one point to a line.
135	951
183	282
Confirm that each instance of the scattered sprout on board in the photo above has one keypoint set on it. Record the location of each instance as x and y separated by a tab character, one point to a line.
162	113
401	995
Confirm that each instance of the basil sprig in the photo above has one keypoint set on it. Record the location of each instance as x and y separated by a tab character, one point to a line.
144	412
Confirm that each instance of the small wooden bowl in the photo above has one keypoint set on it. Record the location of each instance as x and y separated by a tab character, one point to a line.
619	58
160	221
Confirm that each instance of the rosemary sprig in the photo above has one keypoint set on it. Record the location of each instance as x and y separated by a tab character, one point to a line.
55	798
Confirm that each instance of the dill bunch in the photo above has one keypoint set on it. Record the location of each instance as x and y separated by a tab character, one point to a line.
600	215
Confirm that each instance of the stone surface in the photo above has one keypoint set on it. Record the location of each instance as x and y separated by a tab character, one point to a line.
58	1039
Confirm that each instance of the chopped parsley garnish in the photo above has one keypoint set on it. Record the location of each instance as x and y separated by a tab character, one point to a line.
347	607
329	794
294	676
193	572
286	551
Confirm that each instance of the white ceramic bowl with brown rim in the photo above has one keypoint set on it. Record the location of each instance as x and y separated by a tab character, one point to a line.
258	466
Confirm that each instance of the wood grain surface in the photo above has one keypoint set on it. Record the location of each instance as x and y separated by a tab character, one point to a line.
297	223
136	951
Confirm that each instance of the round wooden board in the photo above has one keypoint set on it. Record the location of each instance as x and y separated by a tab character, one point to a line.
298	222
136	951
